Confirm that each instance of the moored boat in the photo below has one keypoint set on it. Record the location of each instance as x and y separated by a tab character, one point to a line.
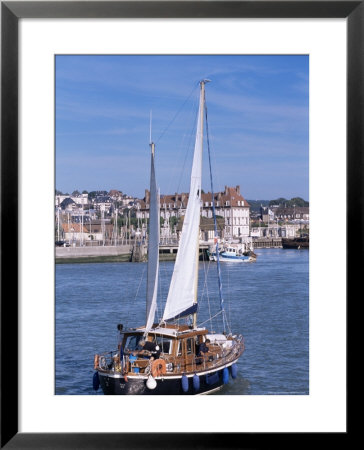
299	243
177	367
233	253
174	355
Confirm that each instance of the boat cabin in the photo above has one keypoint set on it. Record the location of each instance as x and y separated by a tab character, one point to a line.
177	348
230	251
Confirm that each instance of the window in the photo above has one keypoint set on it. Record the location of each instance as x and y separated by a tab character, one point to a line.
180	348
132	342
190	346
164	344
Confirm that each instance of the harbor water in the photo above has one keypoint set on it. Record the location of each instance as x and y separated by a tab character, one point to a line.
266	301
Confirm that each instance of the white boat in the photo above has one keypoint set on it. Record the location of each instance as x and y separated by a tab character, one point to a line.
177	356
229	252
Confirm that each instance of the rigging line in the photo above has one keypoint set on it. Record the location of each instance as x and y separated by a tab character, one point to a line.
185	147
218	313
166	276
215	223
141	279
162	276
158	303
211	322
189	147
206	289
229	297
177	113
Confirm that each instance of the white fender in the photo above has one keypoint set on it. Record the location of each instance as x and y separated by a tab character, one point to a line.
151	383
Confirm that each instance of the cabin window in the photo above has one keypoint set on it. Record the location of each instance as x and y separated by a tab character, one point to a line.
164	344
180	348
132	342
190	346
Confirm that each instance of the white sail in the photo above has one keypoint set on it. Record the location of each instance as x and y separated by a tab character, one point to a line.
153	247
182	295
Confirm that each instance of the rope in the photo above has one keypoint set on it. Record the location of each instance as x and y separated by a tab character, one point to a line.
141	279
215	225
218	313
176	115
207	291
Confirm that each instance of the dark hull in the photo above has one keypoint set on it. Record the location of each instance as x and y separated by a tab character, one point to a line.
301	243
208	382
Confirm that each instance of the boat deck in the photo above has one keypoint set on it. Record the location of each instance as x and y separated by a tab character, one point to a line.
217	357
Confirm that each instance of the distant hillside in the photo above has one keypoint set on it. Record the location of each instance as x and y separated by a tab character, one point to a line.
296	201
256	204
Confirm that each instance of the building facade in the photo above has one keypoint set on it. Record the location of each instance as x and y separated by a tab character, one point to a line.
229	205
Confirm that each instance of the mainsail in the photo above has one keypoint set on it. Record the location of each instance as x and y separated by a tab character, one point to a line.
182	295
153	246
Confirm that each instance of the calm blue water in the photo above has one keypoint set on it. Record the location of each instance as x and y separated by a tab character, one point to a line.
266	301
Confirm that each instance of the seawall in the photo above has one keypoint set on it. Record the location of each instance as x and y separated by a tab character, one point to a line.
93	254
109	253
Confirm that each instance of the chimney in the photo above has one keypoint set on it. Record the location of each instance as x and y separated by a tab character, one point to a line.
147	196
237	190
226	190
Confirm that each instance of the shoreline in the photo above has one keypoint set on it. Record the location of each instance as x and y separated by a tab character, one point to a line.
123	253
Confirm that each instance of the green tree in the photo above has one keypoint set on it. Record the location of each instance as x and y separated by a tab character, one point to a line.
279	201
298	201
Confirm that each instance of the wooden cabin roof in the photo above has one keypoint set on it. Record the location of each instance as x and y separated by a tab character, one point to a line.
173	331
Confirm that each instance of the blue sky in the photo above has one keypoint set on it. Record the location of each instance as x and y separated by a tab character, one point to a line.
258	114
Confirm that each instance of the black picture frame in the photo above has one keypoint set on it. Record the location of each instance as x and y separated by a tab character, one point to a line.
11	12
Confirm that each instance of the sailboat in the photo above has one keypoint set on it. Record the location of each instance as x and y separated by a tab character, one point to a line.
167	357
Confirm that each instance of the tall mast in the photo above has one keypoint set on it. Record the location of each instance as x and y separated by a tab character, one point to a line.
150	130
182	294
201	112
153	240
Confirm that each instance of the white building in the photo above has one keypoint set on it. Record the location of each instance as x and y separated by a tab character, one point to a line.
81	199
229	204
